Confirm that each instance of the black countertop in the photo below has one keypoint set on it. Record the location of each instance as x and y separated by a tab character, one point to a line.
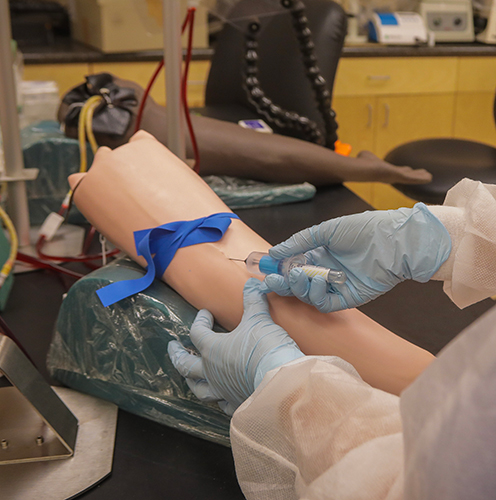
65	51
154	461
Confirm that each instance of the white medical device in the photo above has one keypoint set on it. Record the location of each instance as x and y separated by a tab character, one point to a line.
485	19
397	28
450	21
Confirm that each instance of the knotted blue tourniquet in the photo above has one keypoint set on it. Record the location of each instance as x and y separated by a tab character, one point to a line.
164	241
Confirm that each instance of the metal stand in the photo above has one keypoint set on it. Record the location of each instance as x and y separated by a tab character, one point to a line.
16	175
176	140
37	429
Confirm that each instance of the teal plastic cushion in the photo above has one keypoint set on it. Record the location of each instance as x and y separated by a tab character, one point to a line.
119	353
245	193
46	148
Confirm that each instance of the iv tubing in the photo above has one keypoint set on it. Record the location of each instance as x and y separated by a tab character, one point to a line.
14	244
84	129
189	19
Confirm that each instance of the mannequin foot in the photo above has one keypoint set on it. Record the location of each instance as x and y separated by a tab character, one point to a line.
382	171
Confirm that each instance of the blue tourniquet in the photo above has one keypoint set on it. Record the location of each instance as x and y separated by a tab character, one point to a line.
163	242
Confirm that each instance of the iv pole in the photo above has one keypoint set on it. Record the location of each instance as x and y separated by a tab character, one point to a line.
176	141
15	173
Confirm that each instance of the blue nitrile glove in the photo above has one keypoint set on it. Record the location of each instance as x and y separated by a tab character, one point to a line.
376	249
233	364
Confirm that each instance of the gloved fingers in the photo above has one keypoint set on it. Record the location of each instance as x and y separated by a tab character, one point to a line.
201	329
227	407
276	283
188	365
301	242
254	300
323	299
299	284
201	389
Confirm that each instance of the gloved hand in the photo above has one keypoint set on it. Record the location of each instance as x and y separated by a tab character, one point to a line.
233	364
376	250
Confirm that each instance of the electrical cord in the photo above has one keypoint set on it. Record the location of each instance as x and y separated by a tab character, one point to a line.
184	91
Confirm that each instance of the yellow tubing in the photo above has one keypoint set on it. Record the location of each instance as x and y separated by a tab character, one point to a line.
14	244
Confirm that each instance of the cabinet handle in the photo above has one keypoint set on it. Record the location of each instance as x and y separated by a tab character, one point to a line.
369	119
386	115
383	78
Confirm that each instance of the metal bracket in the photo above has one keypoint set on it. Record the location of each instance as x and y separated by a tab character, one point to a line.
26	174
35	424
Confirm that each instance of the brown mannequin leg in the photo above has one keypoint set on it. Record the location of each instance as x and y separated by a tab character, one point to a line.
227	149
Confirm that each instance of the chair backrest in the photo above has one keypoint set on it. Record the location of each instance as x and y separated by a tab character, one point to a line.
281	69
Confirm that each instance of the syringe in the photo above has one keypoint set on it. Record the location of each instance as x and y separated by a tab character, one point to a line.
263	263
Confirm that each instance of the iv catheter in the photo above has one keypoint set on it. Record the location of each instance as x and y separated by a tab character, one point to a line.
263	263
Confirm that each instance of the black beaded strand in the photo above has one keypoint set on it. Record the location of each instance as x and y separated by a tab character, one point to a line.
274	114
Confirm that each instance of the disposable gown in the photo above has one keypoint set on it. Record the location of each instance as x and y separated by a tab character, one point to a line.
314	430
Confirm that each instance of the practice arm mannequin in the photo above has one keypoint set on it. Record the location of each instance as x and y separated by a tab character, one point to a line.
142	185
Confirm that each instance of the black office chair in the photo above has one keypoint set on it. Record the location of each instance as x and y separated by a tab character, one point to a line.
283	62
448	160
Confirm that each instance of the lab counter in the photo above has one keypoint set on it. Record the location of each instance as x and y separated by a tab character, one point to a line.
66	50
155	462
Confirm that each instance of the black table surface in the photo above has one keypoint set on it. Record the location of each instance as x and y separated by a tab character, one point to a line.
155	462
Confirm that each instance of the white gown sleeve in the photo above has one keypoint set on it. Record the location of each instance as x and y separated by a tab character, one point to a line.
314	430
469	215
449	420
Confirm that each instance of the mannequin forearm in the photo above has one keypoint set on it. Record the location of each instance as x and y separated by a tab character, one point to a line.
142	185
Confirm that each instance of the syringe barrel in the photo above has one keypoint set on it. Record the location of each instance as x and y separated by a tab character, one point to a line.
263	263
330	275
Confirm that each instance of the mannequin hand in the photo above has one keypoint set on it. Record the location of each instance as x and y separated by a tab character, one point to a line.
376	250
233	364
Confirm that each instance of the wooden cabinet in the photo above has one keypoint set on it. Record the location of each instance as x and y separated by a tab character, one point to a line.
70	75
66	75
474	118
384	102
402	119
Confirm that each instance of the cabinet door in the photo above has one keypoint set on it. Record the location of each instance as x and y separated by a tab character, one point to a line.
401	119
66	75
474	119
355	117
